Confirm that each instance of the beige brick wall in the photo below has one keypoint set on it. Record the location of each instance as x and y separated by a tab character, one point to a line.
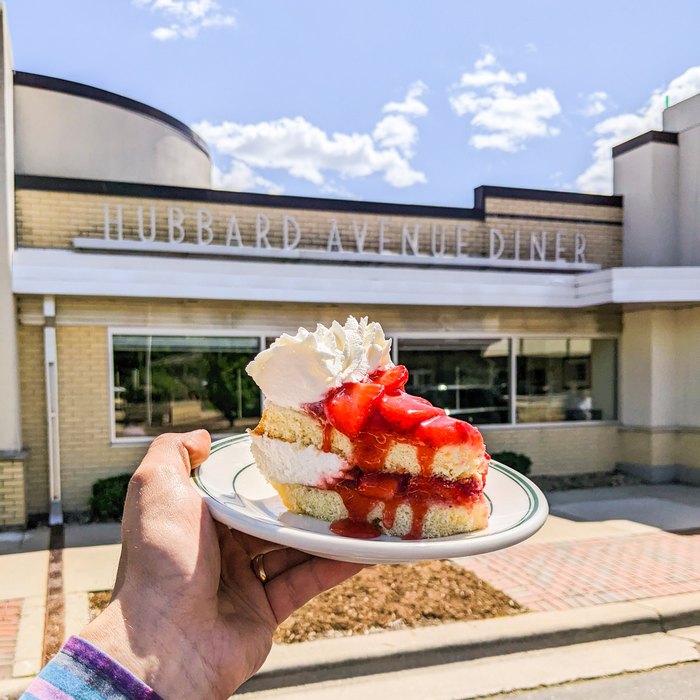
86	451
557	449
13	504
30	341
603	242
54	219
529	207
273	319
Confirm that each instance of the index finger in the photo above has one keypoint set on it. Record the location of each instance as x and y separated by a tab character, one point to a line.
298	585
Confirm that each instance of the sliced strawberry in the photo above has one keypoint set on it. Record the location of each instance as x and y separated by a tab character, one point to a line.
403	412
443	430
350	407
393	379
381	486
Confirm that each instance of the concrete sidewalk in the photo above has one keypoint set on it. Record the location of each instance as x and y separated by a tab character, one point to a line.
616	576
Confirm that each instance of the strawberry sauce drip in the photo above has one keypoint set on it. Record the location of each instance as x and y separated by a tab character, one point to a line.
375	415
327	435
426	457
347	527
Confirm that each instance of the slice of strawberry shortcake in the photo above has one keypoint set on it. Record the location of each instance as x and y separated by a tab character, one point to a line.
342	441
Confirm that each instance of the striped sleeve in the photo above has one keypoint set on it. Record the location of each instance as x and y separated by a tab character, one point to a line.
81	671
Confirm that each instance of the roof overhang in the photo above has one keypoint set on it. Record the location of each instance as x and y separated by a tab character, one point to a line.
74	273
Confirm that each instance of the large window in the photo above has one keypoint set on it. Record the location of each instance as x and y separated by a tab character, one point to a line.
468	378
175	383
565	379
553	379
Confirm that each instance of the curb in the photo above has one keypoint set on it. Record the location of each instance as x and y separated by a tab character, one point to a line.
384	652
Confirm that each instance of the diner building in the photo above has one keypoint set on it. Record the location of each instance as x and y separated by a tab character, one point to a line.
132	295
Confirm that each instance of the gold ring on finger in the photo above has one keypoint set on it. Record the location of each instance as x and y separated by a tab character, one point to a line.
259	568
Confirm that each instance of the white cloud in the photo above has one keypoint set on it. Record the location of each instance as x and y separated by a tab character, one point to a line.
396	131
412	103
598	177
595	104
305	151
186	18
241	178
507	119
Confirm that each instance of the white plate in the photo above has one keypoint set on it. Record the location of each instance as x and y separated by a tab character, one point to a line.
238	496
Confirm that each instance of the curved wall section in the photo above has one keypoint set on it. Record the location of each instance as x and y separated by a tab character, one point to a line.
65	129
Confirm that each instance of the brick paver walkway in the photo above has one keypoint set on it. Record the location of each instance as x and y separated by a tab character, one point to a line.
9	624
562	575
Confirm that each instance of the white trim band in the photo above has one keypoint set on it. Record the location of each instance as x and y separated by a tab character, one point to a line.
66	272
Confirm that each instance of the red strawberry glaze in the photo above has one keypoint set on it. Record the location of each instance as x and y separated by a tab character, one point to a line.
347	527
363	492
376	414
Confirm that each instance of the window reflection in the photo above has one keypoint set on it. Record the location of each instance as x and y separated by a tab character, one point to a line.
565	379
164	383
468	378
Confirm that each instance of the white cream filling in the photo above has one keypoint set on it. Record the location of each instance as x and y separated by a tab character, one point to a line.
287	463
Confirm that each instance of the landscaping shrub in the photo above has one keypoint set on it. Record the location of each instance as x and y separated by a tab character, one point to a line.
516	460
108	496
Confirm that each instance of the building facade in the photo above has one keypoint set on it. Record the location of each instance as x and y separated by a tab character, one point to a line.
132	295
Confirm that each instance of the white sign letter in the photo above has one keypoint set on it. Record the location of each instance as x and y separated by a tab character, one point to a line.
433	240
559	247
494	236
334	238
233	233
142	234
579	248
117	221
516	245
459	241
288	220
538	246
204	224
262	228
409	240
175	218
360	235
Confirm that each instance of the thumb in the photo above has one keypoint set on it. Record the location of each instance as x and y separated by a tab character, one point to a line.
175	454
198	445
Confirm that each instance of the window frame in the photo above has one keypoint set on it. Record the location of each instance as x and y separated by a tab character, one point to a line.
171	332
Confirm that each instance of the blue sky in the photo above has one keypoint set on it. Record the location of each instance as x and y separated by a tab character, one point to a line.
413	101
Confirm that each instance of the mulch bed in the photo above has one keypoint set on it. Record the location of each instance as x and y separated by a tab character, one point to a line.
386	597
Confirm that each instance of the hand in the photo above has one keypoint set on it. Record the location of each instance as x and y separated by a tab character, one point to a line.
188	615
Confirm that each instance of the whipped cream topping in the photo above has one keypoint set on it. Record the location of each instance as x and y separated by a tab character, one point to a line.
303	368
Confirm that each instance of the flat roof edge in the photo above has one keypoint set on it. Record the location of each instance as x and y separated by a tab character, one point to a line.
485	191
135	189
670	137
